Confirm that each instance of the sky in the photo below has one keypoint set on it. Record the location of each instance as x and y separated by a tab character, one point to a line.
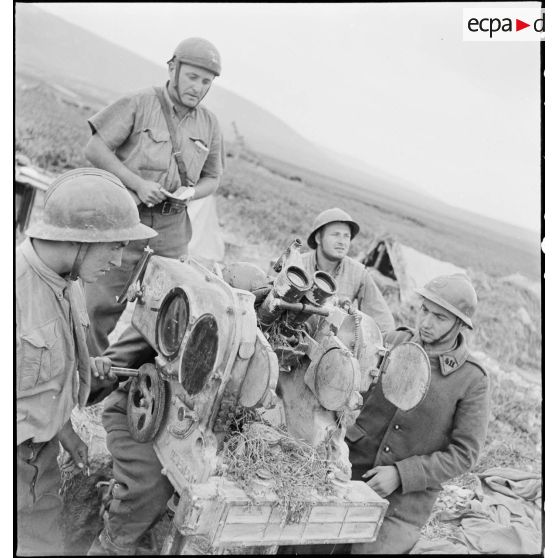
393	85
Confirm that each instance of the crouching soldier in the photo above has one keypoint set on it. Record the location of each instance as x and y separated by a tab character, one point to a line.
330	240
88	218
405	456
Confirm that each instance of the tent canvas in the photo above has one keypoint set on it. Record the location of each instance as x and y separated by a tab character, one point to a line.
410	268
207	238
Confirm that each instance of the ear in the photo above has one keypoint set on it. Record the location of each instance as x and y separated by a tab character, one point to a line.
172	66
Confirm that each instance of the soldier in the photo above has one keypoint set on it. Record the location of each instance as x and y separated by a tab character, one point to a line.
330	240
88	218
405	456
153	140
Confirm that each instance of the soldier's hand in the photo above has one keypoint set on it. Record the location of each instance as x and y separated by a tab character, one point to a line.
149	192
74	445
101	369
384	479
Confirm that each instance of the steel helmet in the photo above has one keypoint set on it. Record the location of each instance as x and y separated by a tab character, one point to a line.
198	52
328	216
455	293
89	205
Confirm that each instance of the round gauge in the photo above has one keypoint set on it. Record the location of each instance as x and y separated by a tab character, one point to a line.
172	321
200	354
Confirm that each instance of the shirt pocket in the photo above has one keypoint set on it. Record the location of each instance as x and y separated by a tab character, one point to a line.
156	150
355	433
42	355
197	158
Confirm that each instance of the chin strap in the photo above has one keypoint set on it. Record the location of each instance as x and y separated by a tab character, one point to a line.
80	256
442	344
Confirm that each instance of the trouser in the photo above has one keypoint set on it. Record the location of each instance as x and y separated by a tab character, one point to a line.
174	233
141	492
38	503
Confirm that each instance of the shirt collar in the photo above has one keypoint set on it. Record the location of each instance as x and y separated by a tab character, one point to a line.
451	360
454	359
57	283
336	272
190	113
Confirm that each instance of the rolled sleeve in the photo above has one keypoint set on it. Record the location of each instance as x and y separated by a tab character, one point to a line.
372	302
215	162
420	472
115	123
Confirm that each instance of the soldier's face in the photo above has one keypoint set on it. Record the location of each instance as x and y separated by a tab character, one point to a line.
433	321
193	83
100	259
334	241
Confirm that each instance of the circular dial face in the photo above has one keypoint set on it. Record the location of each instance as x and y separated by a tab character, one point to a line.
200	354
172	322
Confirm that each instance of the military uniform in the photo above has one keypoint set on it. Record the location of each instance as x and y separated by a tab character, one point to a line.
134	127
141	492
438	440
354	283
52	376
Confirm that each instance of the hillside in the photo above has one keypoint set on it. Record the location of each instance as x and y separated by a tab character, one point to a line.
91	71
84	63
51	128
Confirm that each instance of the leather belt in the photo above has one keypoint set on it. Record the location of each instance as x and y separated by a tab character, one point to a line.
169	208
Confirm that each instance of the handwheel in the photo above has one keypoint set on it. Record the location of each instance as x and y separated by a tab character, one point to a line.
146	403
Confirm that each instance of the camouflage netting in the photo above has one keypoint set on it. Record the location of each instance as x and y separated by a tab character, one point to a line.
259	455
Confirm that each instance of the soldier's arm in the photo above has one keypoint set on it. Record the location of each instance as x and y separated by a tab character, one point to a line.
372	302
212	171
110	128
100	156
420	472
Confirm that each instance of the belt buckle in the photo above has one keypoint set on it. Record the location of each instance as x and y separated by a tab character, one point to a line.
166	209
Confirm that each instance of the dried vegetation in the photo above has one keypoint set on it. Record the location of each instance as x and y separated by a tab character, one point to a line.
257	456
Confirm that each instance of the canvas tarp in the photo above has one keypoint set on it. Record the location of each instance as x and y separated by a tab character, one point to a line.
502	517
207	238
405	265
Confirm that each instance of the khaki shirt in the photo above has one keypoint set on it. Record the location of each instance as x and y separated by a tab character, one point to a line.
52	371
355	283
134	127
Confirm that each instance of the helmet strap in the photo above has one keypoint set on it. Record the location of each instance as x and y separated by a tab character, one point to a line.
447	341
176	79
80	256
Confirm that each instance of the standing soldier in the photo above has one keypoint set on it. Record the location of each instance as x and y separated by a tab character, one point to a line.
330	240
406	455
156	141
88	218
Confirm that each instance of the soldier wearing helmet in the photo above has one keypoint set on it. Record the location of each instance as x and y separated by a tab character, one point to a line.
330	240
406	455
87	220
131	139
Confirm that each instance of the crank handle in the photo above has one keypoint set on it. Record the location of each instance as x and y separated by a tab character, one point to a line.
124	372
